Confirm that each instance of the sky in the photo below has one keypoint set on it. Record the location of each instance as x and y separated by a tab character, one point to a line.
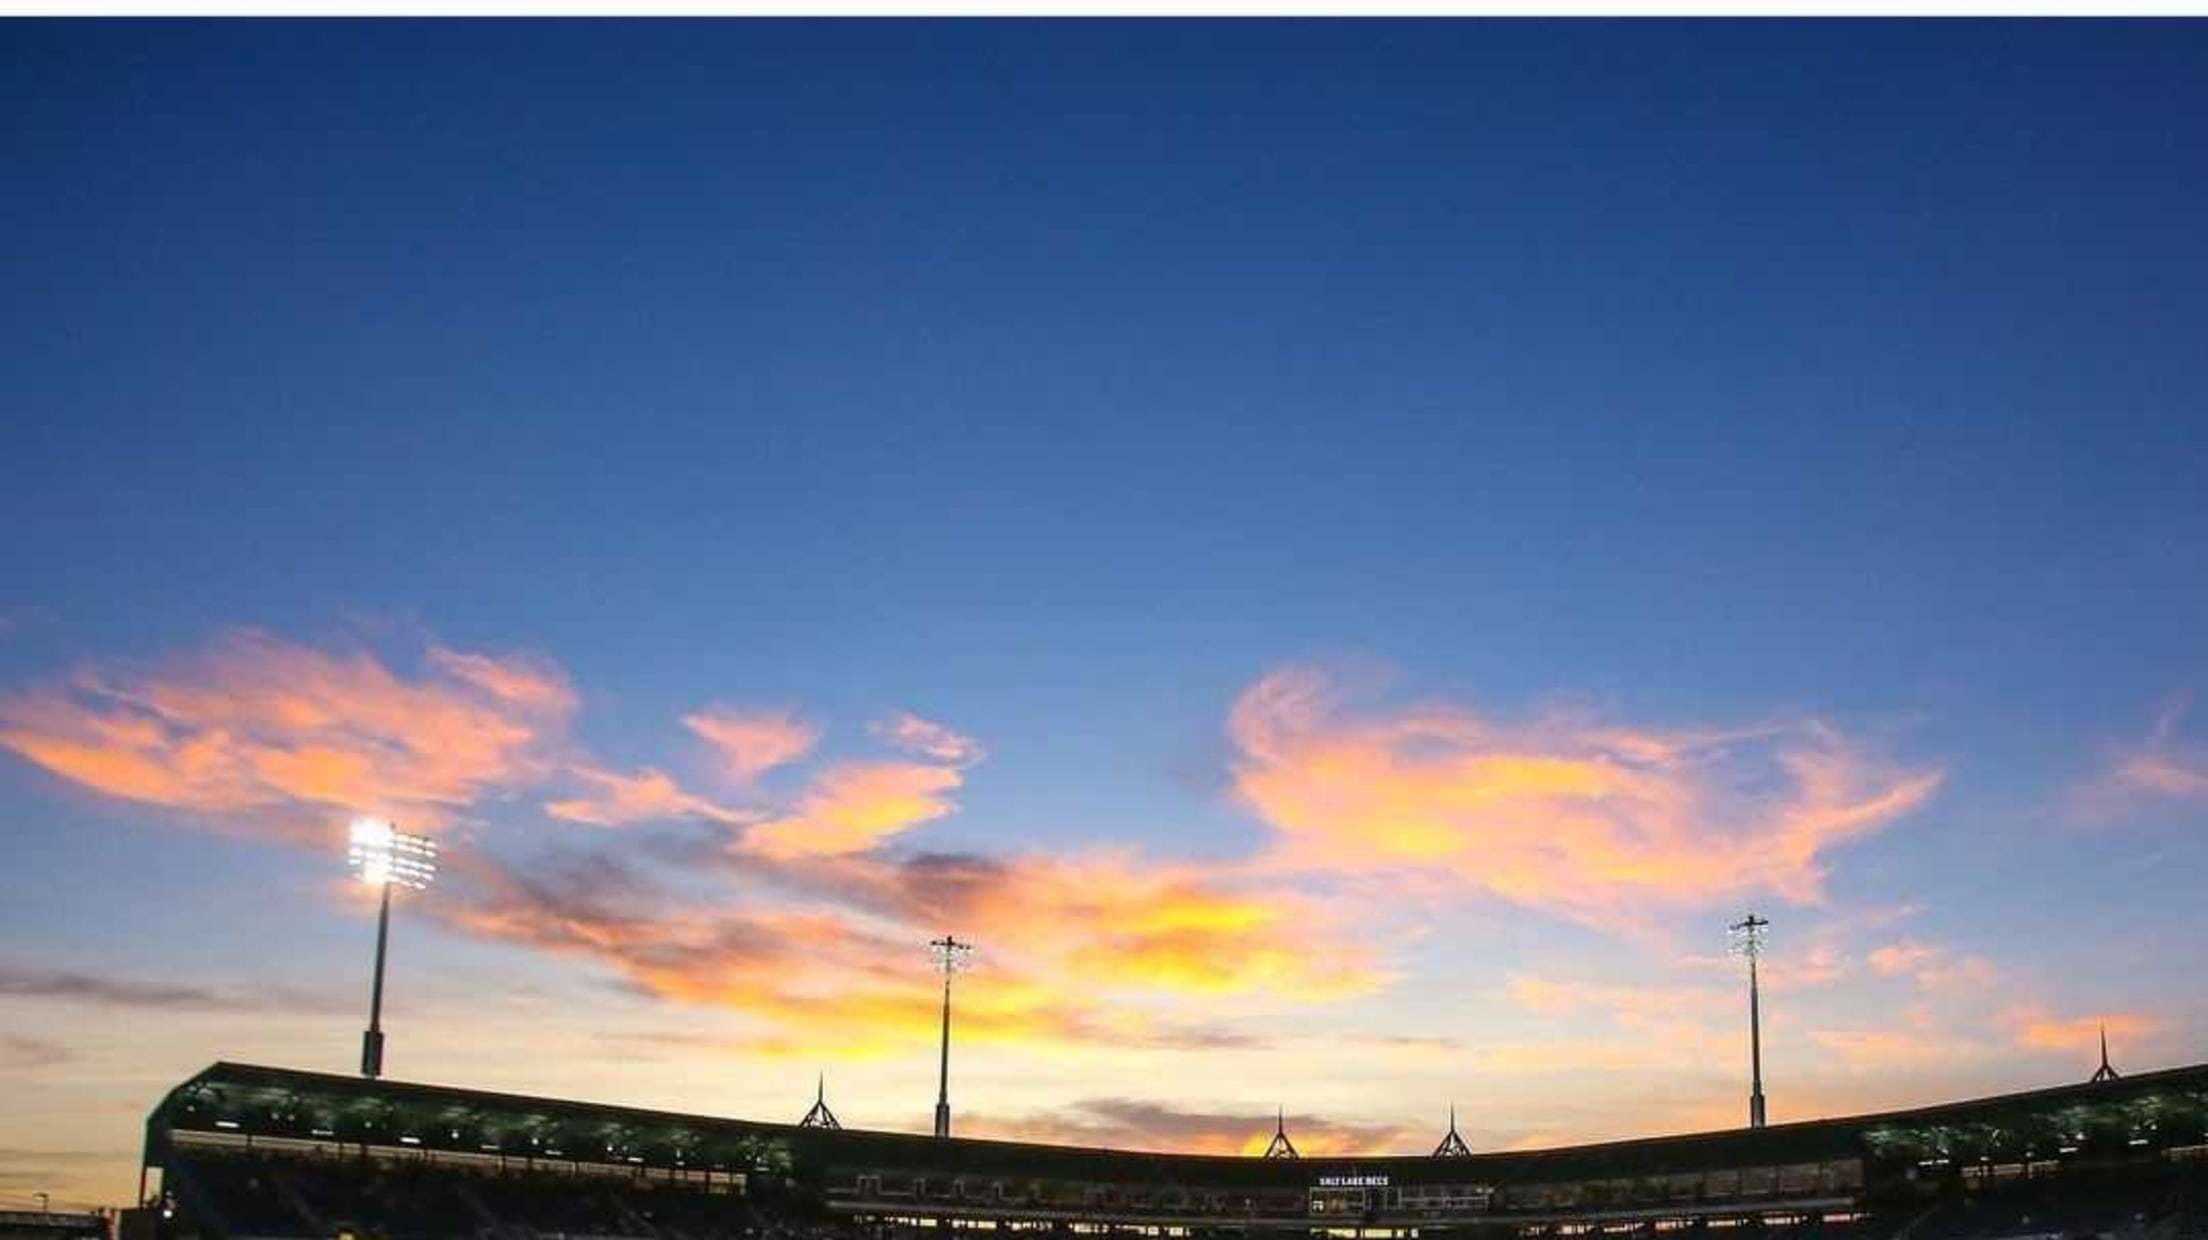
1341	555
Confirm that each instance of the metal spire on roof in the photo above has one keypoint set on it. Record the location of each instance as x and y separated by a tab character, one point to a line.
820	1116
1281	1147
1452	1146
2105	1072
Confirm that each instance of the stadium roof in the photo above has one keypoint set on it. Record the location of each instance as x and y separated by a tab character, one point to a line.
2160	1108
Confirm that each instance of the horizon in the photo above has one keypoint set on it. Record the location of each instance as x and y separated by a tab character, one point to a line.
1342	555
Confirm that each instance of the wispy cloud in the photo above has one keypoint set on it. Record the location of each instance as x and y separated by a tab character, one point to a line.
1130	1123
752	742
613	799
22	982
1564	812
25	1054
929	739
35	984
856	807
2034	1027
2167	765
1890	1049
1932	967
1557	997
1648	1026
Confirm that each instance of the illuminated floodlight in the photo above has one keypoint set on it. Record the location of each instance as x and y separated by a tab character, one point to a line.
381	855
384	857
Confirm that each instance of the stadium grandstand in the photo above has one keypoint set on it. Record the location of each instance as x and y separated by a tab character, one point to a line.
241	1152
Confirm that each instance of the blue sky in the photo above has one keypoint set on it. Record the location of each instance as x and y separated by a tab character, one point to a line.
1066	385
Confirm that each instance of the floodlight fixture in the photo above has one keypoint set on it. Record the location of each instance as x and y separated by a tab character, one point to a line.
1748	938
381	855
950	955
384	857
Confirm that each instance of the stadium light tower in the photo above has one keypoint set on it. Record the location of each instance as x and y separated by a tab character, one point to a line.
384	856
1748	939
951	956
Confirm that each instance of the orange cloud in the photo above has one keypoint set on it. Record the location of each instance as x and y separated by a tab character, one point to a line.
1119	923
2034	1028
811	980
614	799
752	742
855	807
913	734
1111	920
1562	813
253	727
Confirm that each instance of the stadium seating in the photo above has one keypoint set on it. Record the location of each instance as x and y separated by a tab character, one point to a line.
2154	1202
246	1196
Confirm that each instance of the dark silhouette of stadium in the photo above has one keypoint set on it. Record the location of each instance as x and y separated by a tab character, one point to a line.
240	1151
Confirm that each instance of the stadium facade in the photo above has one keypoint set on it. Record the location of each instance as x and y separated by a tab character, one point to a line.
239	1150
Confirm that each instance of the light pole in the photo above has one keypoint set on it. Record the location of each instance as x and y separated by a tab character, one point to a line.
1748	938
951	956
384	856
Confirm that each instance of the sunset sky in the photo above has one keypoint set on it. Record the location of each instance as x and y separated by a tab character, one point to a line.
1341	555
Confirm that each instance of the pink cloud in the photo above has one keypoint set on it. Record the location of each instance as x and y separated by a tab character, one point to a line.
753	742
1931	967
256	734
1904	957
2165	766
614	799
928	739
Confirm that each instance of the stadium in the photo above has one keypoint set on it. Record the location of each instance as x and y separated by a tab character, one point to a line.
243	1151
